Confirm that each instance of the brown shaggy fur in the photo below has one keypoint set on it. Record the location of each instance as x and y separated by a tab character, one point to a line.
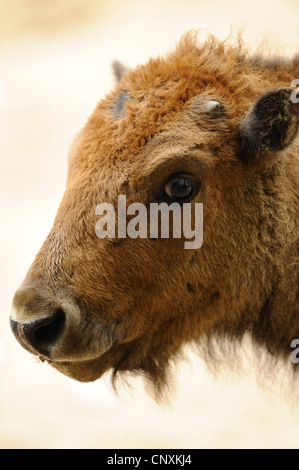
153	295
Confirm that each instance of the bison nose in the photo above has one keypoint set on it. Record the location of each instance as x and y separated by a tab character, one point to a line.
42	321
41	334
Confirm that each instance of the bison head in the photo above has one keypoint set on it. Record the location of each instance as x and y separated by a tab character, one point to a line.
198	126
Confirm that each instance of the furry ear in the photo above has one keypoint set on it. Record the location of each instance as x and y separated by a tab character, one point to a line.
272	124
118	70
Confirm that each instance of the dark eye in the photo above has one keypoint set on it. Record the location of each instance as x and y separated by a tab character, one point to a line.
181	187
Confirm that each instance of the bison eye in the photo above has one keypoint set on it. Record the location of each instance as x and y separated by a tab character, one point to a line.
181	187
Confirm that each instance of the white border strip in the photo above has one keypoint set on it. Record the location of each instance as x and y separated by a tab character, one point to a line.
1	351
2	92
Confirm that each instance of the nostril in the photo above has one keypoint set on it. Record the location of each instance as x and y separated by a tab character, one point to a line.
45	332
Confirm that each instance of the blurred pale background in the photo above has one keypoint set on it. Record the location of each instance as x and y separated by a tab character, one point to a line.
55	61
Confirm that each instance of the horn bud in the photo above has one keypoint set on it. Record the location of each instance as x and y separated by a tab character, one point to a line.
213	108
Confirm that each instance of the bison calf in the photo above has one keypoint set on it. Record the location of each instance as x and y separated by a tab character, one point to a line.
207	124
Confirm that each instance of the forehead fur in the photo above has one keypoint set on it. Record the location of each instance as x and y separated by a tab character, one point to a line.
161	89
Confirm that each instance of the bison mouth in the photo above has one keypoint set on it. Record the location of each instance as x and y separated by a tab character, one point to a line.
87	370
80	343
60	330
131	357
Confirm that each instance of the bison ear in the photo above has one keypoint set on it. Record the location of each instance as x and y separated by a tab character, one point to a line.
118	70
271	124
